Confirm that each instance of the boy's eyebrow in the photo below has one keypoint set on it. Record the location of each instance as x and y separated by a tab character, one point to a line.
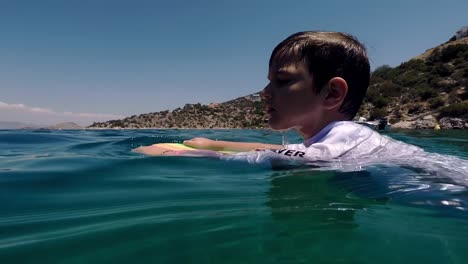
279	72
283	71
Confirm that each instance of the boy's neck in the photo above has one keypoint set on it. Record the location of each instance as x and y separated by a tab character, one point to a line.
312	130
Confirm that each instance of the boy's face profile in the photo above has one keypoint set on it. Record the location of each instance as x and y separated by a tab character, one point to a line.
290	100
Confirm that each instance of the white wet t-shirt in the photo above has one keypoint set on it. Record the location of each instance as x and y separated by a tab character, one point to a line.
344	141
347	146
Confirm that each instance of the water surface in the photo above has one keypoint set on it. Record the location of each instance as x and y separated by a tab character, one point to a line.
83	197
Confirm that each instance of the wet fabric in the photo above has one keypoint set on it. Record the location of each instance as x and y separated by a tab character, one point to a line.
343	141
347	146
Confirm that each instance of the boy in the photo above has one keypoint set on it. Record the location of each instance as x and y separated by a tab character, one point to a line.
317	83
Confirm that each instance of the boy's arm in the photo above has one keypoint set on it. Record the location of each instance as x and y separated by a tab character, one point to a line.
153	150
204	143
156	150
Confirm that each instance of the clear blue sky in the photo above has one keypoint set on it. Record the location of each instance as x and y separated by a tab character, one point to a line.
69	60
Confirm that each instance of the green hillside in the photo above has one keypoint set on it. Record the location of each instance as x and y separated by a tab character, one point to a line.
243	112
436	84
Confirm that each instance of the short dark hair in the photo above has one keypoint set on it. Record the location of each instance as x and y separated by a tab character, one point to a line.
328	55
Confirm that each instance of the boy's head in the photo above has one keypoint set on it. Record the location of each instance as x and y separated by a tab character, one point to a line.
327	55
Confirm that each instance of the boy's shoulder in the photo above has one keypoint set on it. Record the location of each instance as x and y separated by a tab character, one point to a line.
333	141
350	140
341	132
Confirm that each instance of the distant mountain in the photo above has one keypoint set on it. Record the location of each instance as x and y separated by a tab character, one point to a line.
14	125
67	125
19	125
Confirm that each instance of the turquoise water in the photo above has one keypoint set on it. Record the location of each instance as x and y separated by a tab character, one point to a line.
83	197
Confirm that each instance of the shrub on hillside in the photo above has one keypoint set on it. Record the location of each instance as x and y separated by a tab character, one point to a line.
454	97
414	109
463	96
453	51
390	89
459	61
405	100
377	113
376	79
410	78
414	64
448	53
384	72
455	110
442	70
458	74
435	103
381	102
394	120
426	92
116	123
371	95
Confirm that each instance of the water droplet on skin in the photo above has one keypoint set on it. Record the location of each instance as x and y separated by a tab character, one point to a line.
284	140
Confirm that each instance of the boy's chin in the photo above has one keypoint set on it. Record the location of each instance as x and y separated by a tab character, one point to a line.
275	125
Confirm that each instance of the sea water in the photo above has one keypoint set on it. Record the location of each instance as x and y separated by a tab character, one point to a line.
83	197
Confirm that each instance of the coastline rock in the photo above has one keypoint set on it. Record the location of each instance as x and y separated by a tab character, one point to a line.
453	123
403	125
427	122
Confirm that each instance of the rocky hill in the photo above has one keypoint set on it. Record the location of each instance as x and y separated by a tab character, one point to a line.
66	126
429	87
426	91
59	126
243	112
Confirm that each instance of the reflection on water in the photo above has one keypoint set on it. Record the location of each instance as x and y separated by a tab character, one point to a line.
310	197
364	217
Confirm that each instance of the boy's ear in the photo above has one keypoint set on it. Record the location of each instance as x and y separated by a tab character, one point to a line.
334	93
